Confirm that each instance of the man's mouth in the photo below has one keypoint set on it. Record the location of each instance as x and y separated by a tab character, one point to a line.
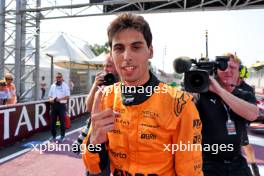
129	68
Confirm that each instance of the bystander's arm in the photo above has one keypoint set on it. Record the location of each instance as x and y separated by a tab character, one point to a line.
90	98
63	98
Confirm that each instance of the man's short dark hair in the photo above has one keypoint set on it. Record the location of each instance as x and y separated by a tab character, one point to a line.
126	21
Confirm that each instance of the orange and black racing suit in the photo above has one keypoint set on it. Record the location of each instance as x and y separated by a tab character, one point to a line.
146	136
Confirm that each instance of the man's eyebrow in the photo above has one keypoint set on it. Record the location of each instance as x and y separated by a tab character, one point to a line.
117	44
137	43
133	43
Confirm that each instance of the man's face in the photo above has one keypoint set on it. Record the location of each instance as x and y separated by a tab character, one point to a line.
130	54
231	75
9	80
59	77
109	66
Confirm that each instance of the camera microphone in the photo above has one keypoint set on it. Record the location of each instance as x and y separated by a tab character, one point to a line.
182	64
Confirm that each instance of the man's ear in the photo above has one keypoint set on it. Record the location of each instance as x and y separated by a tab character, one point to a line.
150	52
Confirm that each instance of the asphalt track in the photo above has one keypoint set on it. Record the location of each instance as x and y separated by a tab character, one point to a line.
20	160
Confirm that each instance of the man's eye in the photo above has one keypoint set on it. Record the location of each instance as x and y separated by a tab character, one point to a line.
136	47
118	48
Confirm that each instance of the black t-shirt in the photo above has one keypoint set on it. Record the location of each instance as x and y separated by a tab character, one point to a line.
245	87
214	115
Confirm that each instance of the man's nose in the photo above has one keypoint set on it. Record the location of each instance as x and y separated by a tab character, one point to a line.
128	55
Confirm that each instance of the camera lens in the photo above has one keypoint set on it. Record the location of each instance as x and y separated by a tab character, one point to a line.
197	80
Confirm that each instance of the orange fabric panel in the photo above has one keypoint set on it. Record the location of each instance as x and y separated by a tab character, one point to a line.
142	132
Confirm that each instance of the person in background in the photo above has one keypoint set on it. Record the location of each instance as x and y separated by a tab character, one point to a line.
11	88
59	94
246	146
108	67
43	87
224	110
71	85
4	93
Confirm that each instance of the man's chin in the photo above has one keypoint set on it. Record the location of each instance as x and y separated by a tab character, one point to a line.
130	81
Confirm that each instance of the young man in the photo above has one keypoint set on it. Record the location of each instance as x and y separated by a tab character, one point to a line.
223	111
11	88
59	94
137	130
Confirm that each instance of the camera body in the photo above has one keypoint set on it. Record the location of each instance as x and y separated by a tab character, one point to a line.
109	79
196	79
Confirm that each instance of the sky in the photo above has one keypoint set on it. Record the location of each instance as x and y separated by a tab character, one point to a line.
179	34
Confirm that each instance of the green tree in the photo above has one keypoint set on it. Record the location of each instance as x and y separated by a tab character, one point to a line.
98	49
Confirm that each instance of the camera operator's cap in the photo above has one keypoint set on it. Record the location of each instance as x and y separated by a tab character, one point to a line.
2	83
234	57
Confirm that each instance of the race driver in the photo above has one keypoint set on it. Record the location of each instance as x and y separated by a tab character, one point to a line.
141	134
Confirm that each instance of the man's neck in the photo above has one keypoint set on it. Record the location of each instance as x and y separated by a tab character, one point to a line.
229	88
136	96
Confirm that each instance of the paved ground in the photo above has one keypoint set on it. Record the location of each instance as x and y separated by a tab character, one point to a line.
19	160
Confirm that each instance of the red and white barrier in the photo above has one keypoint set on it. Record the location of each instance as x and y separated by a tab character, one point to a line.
22	120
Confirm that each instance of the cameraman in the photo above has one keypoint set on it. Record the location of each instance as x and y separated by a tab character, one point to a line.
223	111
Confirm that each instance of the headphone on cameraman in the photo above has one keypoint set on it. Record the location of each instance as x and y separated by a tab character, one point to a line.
243	72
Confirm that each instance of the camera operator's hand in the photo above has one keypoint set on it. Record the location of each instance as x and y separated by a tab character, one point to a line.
214	86
102	121
99	79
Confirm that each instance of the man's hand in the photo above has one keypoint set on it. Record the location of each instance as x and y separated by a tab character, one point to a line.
102	121
51	100
214	86
99	79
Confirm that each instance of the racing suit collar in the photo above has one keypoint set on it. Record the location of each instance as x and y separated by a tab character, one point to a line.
138	94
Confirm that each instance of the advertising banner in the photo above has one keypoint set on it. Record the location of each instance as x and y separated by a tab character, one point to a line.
22	120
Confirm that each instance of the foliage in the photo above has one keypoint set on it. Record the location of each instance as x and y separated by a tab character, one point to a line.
98	49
